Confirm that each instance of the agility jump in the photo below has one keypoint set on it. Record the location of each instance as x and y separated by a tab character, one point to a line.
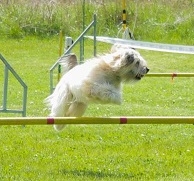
96	120
170	75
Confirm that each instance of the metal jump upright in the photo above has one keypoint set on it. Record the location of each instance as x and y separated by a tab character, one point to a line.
5	89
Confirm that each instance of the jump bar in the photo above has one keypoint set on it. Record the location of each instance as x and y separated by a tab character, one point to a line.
170	75
96	120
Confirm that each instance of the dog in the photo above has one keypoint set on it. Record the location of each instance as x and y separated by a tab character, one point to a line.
98	80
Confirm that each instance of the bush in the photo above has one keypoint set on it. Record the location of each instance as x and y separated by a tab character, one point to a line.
168	21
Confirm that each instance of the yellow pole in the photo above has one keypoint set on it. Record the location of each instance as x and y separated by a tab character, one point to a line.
96	120
124	14
170	75
60	52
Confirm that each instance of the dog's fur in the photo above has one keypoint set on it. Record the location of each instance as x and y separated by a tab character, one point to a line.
98	80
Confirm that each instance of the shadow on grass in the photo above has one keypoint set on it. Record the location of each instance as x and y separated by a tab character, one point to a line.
98	174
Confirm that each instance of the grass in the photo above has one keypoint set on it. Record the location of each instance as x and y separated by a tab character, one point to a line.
100	152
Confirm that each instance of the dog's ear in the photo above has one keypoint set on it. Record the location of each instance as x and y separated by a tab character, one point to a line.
114	48
130	58
116	55
72	61
68	62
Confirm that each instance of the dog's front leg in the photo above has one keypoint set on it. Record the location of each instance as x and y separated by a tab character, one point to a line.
106	93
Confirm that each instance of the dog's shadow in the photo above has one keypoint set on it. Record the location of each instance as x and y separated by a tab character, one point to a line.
97	174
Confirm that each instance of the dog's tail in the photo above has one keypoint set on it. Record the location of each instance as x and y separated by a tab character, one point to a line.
58	102
68	62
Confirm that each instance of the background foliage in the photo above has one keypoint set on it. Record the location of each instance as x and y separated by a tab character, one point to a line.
156	20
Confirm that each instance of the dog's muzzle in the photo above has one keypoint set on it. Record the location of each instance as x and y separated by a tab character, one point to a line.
144	71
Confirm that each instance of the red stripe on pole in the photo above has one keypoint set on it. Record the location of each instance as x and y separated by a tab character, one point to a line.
174	75
123	120
50	120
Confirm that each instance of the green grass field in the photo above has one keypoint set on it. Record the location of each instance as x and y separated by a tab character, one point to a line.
98	152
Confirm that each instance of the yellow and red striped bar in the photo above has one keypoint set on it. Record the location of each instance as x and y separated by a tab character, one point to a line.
170	75
96	120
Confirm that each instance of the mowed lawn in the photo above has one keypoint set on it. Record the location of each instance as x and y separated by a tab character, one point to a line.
98	152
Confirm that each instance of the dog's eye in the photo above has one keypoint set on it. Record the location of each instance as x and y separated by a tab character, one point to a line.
130	58
137	63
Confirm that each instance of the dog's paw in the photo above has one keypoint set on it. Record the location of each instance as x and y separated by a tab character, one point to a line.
59	127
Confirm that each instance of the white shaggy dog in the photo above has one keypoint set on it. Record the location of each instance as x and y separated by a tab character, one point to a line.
98	80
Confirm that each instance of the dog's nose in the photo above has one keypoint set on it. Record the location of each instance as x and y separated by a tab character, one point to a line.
147	70
144	70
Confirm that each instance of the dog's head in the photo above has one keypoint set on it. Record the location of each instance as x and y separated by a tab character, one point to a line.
128	63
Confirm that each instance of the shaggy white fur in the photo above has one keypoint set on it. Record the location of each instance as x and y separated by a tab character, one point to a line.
98	80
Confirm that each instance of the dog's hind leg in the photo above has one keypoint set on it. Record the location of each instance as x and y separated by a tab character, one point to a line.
76	109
